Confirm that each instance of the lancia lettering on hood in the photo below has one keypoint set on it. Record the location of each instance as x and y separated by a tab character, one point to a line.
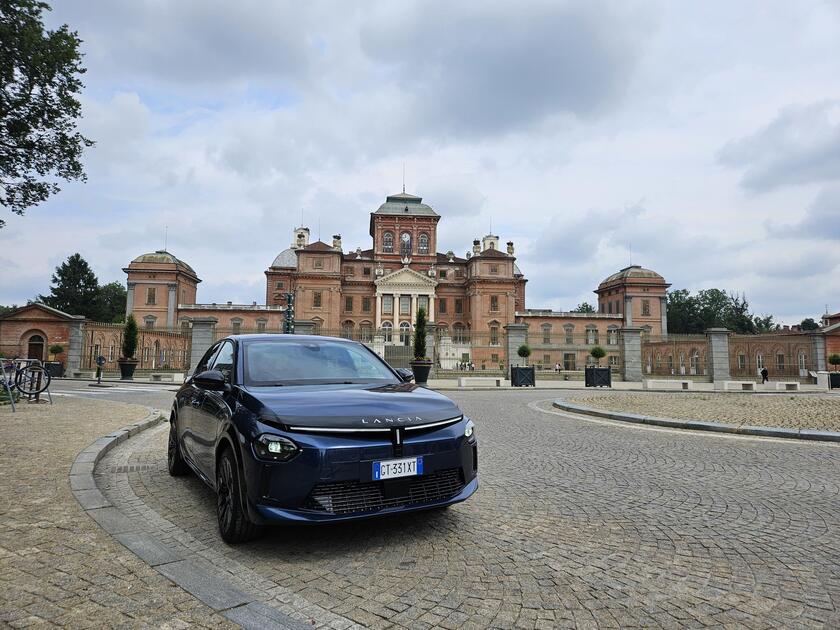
397	420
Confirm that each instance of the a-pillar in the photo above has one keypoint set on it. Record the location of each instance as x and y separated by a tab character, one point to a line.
202	337
516	335
718	339
76	338
818	351
631	350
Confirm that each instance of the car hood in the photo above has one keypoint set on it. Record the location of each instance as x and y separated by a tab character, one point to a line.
352	406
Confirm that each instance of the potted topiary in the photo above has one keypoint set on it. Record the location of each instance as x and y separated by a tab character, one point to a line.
55	367
127	361
834	359
522	376
595	375
421	365
834	378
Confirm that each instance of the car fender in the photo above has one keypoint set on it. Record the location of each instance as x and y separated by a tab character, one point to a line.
230	437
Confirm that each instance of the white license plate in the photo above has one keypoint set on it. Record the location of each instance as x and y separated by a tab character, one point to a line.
393	468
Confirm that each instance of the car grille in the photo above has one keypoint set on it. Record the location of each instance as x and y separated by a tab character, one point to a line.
349	497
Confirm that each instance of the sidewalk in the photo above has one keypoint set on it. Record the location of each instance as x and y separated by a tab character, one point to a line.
56	565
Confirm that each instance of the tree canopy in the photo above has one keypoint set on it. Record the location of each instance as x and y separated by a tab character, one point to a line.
809	324
714	308
39	83
75	290
583	307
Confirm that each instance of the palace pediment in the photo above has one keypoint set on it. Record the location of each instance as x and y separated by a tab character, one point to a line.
405	280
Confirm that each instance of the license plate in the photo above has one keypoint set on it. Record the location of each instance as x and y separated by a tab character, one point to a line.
393	468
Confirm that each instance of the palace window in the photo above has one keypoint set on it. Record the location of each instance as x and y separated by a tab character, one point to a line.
316	299
803	360
423	244
459	306
612	336
235	326
494	269
645	308
318	263
613	360
546	359
149	320
365	271
388	242
671	363
405	244
150	295
742	361
365	332
405	333
780	361
609	307
423	302
494	358
569	361
494	335
351	271
261	325
405	305
569	331
366	305
442	305
459	273
494	303
347	330
348	303
591	336
546	333
759	361
278	285
442	273
387	330
388	304
459	334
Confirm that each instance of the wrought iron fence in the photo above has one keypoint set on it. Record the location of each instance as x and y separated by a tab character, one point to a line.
675	355
157	349
571	352
784	356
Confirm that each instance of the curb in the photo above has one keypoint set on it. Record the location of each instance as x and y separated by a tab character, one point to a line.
212	589
701	425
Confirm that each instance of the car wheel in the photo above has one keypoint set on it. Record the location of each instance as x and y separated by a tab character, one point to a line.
234	524
174	460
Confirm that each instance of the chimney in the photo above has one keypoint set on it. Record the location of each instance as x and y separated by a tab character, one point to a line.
510	248
476	246
337	241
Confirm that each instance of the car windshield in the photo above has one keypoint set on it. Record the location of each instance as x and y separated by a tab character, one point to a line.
307	362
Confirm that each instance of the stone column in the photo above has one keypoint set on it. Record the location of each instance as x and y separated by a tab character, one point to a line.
378	312
516	334
631	350
129	300
718	355
170	306
663	309
396	313
628	311
431	309
413	310
75	342
202	337
304	327
430	345
818	350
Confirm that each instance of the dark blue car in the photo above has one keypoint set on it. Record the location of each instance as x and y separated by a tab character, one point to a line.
294	428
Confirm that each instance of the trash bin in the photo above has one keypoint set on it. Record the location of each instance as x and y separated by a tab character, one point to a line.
597	376
522	376
54	368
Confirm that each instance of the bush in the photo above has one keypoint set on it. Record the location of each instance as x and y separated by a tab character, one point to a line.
834	359
129	343
420	336
598	353
524	351
56	349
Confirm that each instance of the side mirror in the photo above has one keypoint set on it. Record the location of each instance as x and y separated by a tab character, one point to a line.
405	374
212	380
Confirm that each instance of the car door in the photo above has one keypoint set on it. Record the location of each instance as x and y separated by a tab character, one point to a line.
190	399
213	412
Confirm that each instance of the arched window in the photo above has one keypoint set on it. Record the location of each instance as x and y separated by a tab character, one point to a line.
347	330
759	361
405	245
803	361
459	333
670	363
694	361
387	331
405	333
365	332
388	242
423	244
35	348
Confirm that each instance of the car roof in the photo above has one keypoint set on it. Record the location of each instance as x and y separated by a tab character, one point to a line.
280	337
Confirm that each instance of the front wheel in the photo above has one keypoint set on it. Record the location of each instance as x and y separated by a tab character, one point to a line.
32	380
234	524
174	460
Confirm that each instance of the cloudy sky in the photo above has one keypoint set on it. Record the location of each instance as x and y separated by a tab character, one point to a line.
698	139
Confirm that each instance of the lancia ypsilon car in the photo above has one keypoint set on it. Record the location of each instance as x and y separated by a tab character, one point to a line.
294	428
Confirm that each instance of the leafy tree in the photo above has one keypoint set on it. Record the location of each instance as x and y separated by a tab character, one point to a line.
765	324
110	303
420	335
809	324
598	353
129	343
683	313
39	82
75	288
7	309
583	307
713	308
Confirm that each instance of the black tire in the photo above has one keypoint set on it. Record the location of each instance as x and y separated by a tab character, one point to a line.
174	460
31	380
234	525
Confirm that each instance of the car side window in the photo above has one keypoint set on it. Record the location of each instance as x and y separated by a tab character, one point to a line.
206	359
224	361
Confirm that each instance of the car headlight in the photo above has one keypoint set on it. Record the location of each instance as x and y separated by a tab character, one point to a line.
469	429
275	447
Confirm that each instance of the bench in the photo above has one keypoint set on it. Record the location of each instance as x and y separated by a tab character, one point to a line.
787	386
666	383
489	381
739	386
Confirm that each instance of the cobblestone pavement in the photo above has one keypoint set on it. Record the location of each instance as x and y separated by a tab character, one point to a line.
795	411
56	565
577	523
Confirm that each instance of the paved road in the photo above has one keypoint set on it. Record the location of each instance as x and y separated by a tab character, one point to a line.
577	523
151	395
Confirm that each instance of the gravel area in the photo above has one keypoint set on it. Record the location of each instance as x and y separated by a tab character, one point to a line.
774	410
56	565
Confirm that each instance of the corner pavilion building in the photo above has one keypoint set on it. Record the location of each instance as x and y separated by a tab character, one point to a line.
373	295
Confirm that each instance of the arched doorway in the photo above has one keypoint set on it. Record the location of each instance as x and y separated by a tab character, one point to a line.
35	348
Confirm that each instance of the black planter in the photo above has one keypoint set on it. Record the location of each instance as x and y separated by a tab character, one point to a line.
522	376
597	376
421	371
54	368
834	380
127	367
